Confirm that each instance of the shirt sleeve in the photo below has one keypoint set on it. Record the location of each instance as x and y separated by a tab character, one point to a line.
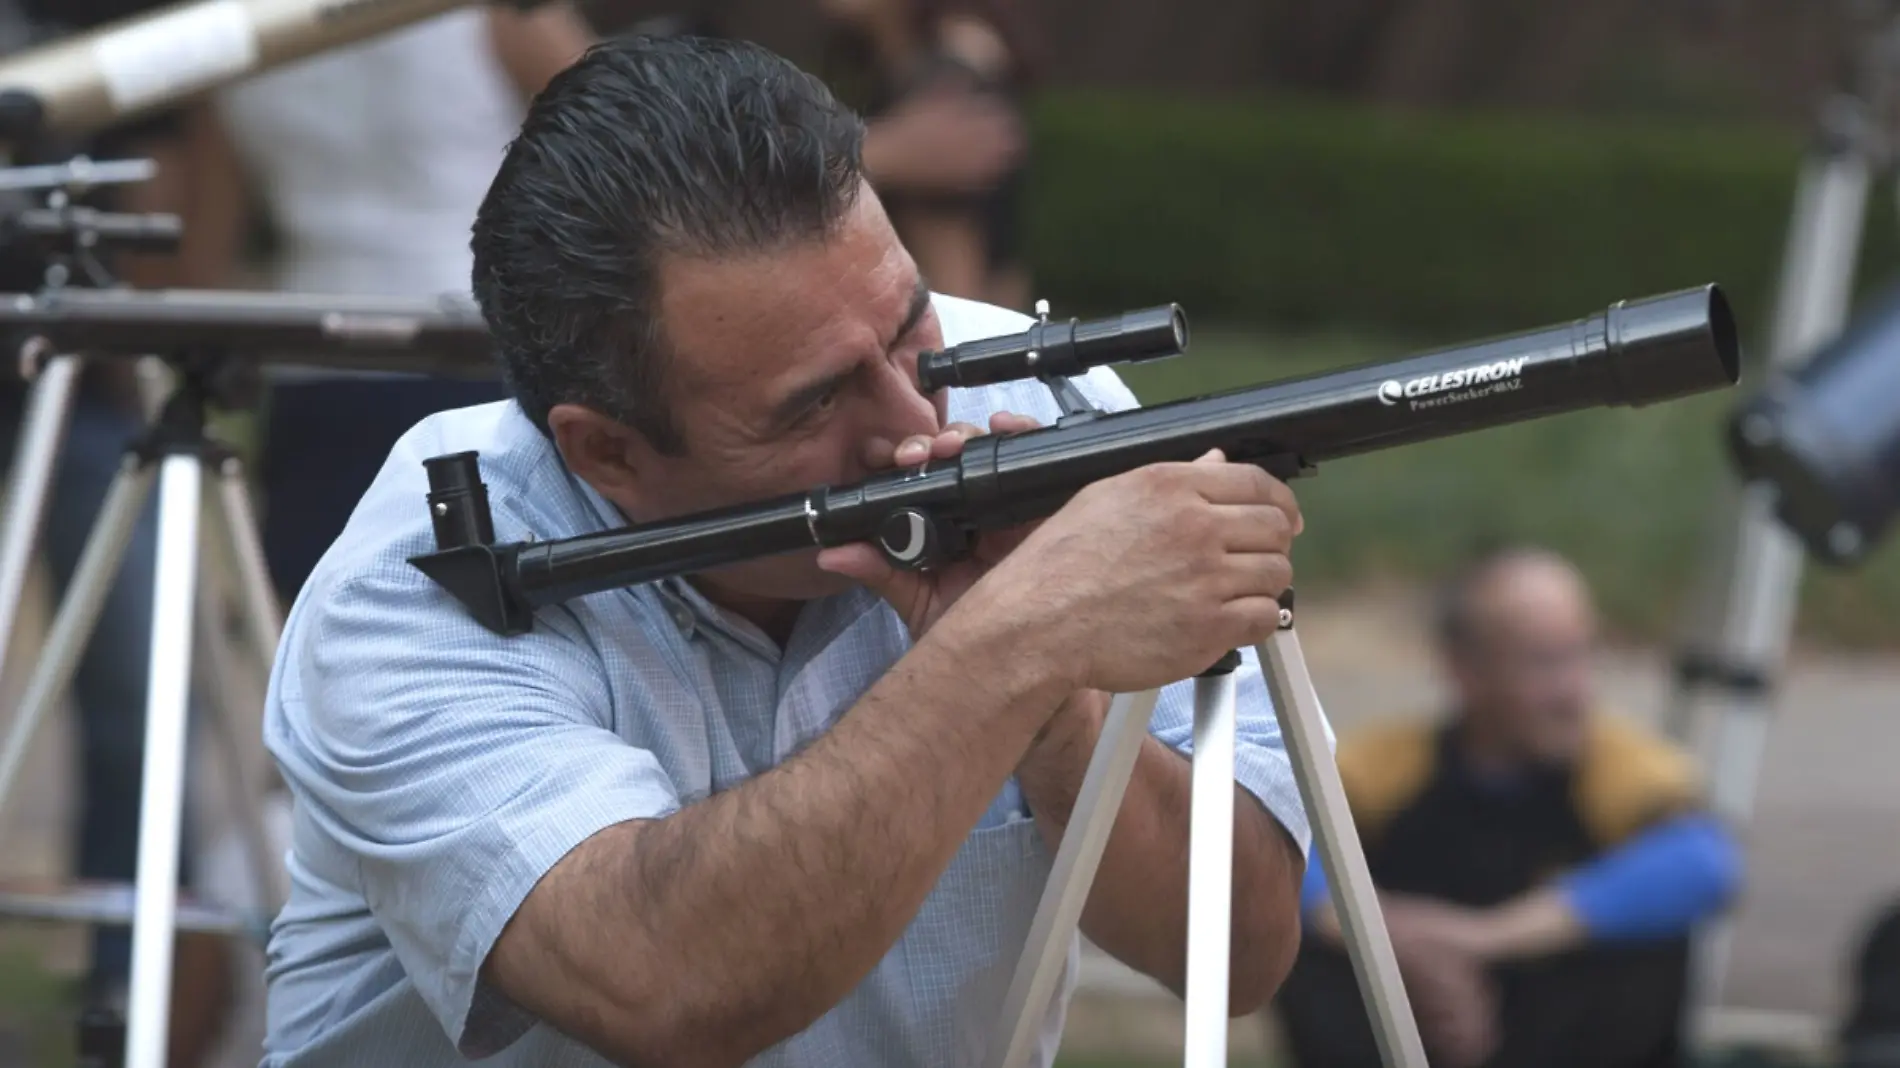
1659	884
454	767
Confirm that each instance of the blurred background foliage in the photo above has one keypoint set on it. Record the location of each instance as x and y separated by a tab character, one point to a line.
1303	233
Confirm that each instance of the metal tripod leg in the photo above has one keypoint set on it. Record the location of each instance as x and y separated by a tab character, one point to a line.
1211	868
263	616
161	802
1725	689
35	459
258	605
78	613
1368	944
1361	923
1059	911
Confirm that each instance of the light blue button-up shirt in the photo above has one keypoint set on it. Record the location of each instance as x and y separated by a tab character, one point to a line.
440	770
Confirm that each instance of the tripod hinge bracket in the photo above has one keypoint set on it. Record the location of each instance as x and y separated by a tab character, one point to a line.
1699	668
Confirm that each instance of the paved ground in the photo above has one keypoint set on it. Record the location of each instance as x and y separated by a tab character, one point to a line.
1823	854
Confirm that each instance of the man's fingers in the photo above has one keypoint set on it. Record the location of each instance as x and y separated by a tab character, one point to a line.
1265	574
1228	483
1011	423
913	450
879	453
1255	528
950	441
858	561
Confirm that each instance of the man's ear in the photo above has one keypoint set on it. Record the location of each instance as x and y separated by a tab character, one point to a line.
601	450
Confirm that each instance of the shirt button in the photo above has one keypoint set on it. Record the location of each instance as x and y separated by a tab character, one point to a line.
684	617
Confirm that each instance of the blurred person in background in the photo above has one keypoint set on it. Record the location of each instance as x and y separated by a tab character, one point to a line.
1541	863
108	689
941	85
369	162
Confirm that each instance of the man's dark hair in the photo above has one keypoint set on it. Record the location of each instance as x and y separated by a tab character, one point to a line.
646	146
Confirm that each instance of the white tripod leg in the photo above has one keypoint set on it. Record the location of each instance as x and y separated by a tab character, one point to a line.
258	604
1060	909
263	616
161	802
77	615
1211	868
35	459
1368	944
1725	690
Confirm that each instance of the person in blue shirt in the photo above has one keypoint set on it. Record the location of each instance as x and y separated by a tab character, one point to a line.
1541	862
796	812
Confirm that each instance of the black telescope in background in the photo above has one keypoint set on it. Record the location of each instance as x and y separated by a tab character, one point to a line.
1634	353
445	337
1826	437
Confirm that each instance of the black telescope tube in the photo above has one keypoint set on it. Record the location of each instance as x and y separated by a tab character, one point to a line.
1635	353
1057	349
444	337
550	572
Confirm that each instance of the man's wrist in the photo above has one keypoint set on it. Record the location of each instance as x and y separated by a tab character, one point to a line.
990	641
1528	926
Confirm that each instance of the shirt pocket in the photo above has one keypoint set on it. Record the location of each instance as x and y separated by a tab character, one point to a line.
1008	807
962	949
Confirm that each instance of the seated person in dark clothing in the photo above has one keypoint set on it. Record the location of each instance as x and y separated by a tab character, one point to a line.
1540	863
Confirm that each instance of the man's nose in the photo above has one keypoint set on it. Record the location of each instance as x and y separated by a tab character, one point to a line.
903	410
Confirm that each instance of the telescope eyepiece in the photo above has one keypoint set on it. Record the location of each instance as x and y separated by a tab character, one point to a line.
1058	350
458	501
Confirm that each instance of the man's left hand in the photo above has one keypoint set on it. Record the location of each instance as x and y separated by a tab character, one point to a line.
922	597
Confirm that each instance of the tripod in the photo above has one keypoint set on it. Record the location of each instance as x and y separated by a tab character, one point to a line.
1725	673
173	452
176	454
1210	862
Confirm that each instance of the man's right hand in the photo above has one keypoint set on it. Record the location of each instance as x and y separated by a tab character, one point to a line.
1446	978
1152	576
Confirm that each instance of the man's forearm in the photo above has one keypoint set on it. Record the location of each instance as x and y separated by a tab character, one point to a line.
736	922
1137	906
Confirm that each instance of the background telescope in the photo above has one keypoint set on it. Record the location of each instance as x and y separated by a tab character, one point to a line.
442	337
1634	353
1826	437
91	80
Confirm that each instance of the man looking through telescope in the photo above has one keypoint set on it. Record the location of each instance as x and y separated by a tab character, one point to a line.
799	811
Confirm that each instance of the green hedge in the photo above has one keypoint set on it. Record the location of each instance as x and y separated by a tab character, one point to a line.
1300	213
1303	222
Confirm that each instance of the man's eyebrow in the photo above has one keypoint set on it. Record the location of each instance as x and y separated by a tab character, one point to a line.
919	304
806	396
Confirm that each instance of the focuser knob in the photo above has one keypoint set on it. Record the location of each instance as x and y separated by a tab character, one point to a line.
916	541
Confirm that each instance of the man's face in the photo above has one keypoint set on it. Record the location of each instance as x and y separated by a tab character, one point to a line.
1528	673
783	370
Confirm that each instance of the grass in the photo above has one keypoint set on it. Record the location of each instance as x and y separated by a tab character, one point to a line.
1631	495
37	1009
